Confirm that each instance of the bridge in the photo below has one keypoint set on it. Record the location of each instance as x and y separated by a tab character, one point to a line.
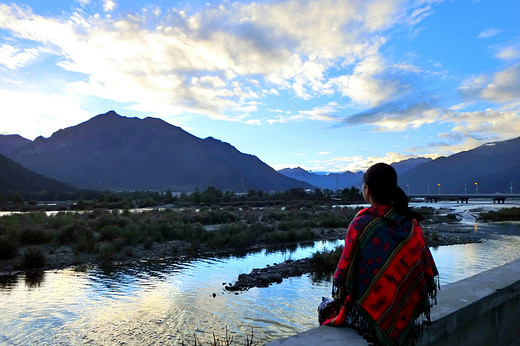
462	197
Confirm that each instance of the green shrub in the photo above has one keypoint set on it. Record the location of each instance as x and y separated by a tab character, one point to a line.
107	233
326	261
148	243
33	258
85	245
8	247
34	235
106	253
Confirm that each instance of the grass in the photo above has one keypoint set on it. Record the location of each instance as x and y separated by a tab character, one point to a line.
226	340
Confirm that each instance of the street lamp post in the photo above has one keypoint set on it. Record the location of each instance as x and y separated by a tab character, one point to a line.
465	188
439	185
476	188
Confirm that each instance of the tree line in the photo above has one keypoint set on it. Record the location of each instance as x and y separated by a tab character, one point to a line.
92	199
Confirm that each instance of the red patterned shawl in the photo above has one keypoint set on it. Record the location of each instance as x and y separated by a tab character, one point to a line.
386	274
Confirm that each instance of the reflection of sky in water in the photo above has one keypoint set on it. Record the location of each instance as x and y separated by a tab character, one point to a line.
169	301
500	245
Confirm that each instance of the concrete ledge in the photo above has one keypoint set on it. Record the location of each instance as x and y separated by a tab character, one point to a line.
481	310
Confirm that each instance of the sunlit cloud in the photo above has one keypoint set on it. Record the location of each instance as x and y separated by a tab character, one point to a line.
511	52
358	163
12	57
109	5
203	63
40	110
254	122
324	113
471	129
503	86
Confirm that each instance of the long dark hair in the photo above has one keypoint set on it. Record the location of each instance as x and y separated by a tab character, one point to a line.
382	181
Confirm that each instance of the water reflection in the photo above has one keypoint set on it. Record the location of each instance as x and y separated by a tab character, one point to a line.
8	282
169	301
34	279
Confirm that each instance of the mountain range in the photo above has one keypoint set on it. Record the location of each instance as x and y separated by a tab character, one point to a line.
335	181
490	168
113	152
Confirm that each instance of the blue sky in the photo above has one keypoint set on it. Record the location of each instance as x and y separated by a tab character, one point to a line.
324	85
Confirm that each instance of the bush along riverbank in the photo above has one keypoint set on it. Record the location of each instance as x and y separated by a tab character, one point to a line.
36	240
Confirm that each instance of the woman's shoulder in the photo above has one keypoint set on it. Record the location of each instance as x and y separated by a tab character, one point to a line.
365	215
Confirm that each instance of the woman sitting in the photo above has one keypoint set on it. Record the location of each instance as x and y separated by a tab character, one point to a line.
385	279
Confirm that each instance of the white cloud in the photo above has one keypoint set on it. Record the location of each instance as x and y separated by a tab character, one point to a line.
253	122
13	58
488	124
41	116
501	87
511	52
323	113
109	5
488	33
356	163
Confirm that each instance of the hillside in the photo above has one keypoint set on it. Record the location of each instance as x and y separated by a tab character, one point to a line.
493	166
12	143
119	153
16	179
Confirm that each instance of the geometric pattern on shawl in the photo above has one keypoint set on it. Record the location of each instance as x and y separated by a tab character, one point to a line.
386	274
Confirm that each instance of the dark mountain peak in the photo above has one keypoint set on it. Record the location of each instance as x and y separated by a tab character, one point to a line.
9	144
115	152
108	117
294	170
404	166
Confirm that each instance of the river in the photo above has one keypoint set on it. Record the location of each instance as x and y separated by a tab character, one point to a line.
171	302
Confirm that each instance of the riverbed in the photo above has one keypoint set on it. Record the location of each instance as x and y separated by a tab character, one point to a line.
175	301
